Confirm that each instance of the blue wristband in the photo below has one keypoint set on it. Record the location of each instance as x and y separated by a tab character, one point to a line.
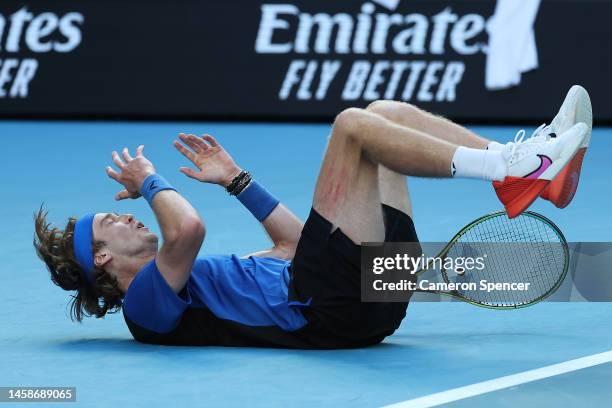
258	200
152	185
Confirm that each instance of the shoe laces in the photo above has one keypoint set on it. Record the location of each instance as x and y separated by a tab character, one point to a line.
540	135
542	132
518	140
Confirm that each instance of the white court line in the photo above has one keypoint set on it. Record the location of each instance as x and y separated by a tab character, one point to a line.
455	394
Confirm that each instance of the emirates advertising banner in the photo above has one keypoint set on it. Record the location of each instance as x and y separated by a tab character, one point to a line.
470	60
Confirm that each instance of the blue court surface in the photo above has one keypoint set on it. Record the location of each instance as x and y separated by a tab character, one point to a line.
439	348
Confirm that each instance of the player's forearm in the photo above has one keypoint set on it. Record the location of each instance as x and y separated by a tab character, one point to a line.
174	214
283	227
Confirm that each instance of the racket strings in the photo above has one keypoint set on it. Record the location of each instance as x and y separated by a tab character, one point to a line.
525	249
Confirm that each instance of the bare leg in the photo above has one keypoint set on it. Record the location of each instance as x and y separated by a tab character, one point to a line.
347	191
393	190
405	114
392	185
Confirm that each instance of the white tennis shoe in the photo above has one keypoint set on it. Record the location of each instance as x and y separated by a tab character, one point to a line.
576	108
533	163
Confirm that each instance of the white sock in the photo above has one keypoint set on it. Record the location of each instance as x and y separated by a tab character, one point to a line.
495	146
479	164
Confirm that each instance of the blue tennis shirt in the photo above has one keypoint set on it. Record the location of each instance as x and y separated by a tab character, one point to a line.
227	301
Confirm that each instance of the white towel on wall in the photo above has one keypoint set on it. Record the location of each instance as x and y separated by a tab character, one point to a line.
512	48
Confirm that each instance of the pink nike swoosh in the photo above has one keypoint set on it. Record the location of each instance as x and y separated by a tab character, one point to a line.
545	163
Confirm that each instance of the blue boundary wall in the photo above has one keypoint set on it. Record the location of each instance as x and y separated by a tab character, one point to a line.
300	59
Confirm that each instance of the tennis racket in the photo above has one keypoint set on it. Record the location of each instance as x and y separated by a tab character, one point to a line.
529	248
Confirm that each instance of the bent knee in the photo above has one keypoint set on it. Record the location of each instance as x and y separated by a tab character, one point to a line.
395	111
380	105
349	120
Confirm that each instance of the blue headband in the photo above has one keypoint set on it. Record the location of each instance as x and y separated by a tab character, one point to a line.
82	242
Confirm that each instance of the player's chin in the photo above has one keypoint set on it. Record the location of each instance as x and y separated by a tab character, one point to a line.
151	236
146	234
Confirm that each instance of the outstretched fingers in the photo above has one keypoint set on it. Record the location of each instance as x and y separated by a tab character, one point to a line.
112	174
184	151
117	160
126	155
211	140
197	144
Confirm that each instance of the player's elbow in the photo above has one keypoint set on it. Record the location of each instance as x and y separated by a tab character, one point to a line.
195	229
286	250
190	230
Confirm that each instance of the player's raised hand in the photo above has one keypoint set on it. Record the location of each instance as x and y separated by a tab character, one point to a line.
214	164
132	172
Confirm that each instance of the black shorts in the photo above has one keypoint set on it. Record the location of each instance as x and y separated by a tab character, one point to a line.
326	270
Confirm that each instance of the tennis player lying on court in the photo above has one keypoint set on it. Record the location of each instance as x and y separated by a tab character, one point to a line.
304	292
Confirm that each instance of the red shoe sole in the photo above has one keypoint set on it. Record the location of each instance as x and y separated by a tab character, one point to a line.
517	193
562	189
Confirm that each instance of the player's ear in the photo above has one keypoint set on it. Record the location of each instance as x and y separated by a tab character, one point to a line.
102	257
